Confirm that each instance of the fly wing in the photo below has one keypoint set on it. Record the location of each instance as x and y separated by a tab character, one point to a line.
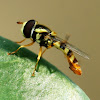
60	39
71	47
76	50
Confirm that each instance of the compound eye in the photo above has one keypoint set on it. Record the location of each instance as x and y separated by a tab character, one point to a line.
28	27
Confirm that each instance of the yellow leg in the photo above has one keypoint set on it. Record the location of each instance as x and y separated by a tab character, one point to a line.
20	48
38	58
24	40
45	50
21	41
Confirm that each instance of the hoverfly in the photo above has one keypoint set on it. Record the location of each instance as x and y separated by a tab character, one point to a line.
47	38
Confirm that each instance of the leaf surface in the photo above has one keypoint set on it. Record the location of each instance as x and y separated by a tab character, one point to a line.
16	82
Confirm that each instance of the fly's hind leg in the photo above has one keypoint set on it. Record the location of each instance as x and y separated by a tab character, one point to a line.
20	48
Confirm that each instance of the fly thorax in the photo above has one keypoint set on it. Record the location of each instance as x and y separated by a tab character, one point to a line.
50	42
38	37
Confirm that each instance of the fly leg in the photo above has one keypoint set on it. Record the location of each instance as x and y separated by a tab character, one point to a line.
20	48
45	50
38	58
21	41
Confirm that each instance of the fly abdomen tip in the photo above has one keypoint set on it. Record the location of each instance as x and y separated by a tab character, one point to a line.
76	70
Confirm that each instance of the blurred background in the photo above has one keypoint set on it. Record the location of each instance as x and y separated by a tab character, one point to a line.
78	18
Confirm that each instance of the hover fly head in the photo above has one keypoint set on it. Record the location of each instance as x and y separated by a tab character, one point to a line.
27	27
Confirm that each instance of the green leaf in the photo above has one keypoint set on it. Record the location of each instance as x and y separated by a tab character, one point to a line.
16	82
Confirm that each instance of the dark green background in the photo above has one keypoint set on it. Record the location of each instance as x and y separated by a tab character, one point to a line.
79	18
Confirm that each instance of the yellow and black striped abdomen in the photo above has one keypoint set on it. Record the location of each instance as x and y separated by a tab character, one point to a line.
74	66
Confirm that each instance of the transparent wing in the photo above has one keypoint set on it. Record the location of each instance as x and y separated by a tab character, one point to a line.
76	50
60	39
72	47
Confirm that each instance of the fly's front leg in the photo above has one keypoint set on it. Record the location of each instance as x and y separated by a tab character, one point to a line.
21	41
20	48
24	40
